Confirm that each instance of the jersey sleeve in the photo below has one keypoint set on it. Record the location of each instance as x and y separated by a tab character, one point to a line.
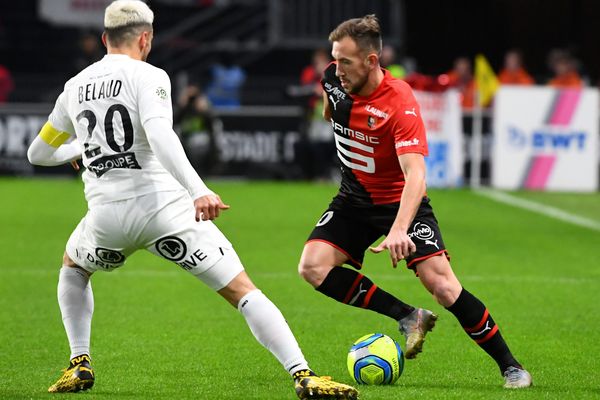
59	117
409	129
154	96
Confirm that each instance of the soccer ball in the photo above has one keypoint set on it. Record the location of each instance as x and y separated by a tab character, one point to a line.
375	359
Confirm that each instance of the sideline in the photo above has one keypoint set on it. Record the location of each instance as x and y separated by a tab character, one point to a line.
539	208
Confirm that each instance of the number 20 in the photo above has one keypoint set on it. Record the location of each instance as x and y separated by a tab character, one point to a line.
109	127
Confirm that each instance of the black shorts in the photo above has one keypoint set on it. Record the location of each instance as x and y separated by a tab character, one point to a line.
352	230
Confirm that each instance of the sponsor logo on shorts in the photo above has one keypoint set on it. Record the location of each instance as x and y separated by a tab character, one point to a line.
422	231
172	248
325	218
100	263
110	256
195	259
433	243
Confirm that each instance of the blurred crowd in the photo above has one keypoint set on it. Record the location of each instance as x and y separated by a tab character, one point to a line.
564	71
221	87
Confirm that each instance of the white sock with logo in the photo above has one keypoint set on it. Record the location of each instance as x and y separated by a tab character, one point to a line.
76	302
272	331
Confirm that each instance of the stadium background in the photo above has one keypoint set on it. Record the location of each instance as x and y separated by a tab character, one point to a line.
158	334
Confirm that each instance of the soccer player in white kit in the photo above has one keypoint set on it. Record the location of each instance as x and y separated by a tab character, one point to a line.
142	193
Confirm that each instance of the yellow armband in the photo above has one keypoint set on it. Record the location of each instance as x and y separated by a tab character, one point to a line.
51	136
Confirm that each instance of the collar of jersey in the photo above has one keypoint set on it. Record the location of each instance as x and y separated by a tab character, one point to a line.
118	56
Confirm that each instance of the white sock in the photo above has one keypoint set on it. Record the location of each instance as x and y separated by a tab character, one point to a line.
76	302
272	331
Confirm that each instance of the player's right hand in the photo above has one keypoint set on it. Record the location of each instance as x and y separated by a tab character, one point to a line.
209	207
398	243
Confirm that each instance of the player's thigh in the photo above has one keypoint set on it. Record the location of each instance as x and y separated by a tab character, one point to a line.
339	237
197	247
425	233
98	241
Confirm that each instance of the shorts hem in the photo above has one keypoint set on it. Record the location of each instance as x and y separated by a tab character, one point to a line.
91	271
351	260
211	277
412	264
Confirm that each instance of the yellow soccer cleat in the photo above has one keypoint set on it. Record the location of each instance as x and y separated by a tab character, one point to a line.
78	376
310	386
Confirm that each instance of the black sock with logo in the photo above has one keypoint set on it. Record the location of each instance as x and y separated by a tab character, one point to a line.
350	287
480	326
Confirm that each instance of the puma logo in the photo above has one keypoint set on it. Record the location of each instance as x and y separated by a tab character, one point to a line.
487	328
410	112
432	243
334	102
357	295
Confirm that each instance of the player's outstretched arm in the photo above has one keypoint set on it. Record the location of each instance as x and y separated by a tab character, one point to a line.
169	151
48	148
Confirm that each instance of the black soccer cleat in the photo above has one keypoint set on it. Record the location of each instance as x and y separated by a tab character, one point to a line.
78	376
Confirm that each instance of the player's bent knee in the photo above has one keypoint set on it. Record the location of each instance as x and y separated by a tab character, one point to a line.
445	291
237	288
443	294
313	272
67	262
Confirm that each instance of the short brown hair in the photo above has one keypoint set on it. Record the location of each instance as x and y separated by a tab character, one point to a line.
364	31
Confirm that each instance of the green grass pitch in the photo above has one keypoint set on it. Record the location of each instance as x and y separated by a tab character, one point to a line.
158	333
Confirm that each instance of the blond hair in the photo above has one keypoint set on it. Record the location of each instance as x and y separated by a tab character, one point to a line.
126	19
364	31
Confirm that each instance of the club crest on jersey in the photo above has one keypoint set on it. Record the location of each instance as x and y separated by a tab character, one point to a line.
371	121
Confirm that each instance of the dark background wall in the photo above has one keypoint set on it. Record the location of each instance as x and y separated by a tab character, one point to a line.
436	32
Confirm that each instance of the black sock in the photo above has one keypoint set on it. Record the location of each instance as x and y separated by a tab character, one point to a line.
479	325
350	287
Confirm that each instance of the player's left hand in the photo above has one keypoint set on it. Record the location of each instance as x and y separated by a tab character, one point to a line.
399	244
209	207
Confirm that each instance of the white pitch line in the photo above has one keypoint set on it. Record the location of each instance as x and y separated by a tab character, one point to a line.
540	208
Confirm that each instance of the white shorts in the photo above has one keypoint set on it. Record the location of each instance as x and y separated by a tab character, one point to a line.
163	223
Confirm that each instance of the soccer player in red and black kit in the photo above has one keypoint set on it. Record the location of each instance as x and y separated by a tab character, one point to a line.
381	145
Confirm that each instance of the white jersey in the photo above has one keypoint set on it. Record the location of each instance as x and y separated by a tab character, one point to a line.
105	106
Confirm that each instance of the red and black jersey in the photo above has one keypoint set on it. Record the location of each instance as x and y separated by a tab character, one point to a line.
370	133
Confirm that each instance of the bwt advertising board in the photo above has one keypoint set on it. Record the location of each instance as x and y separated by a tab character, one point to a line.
545	139
441	114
